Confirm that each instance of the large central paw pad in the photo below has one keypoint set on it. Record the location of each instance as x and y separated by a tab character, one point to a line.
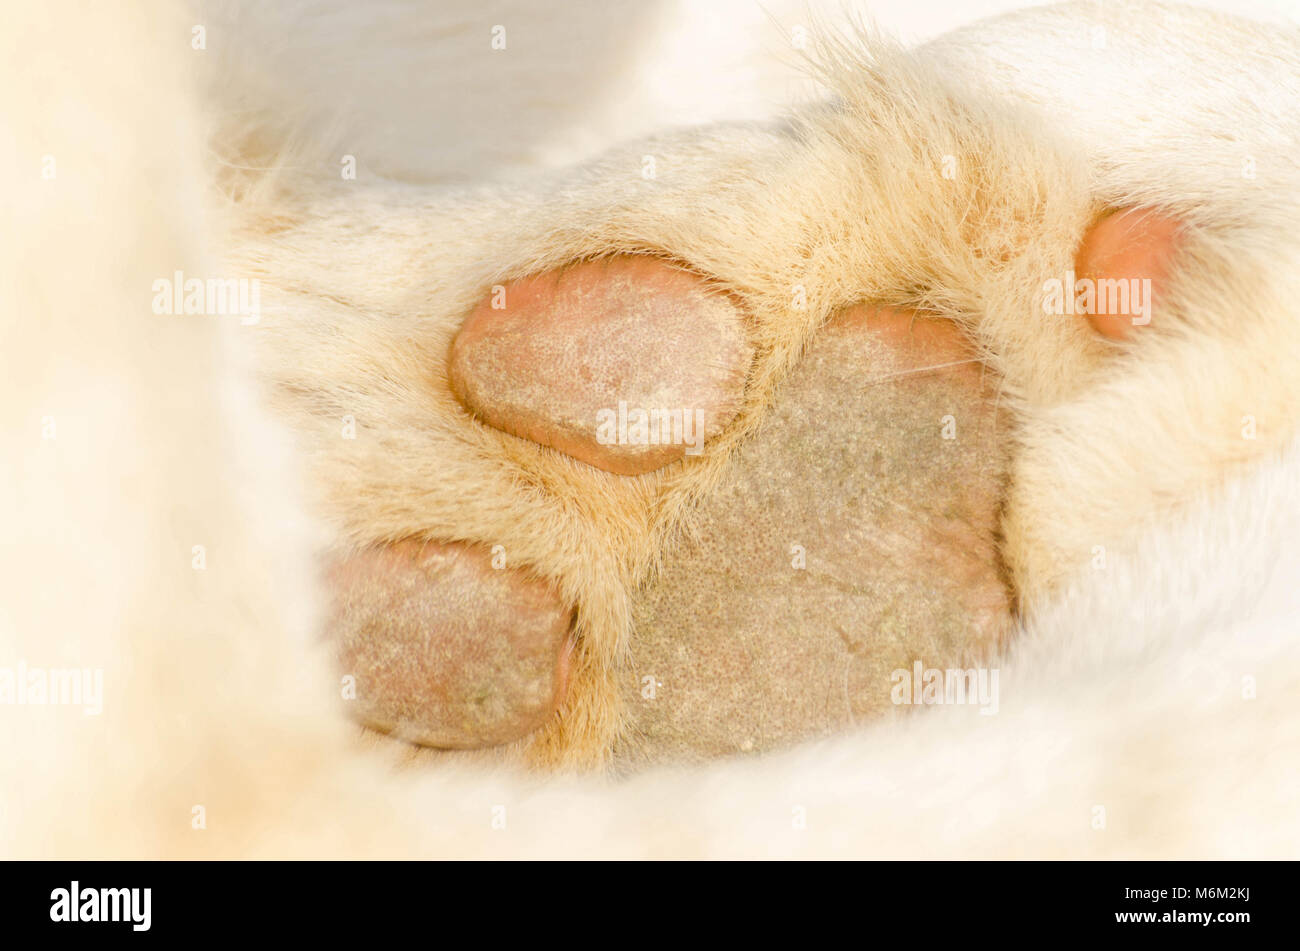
852	536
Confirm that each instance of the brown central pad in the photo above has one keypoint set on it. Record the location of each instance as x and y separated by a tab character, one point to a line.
849	538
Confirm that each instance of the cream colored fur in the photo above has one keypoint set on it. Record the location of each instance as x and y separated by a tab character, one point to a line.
1125	691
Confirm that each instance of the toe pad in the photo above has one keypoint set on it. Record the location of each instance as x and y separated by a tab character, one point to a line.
448	650
626	363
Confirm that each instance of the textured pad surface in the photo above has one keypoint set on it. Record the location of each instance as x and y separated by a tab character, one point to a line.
855	534
625	363
447	649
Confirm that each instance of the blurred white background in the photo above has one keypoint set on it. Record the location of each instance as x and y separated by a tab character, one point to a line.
423	95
